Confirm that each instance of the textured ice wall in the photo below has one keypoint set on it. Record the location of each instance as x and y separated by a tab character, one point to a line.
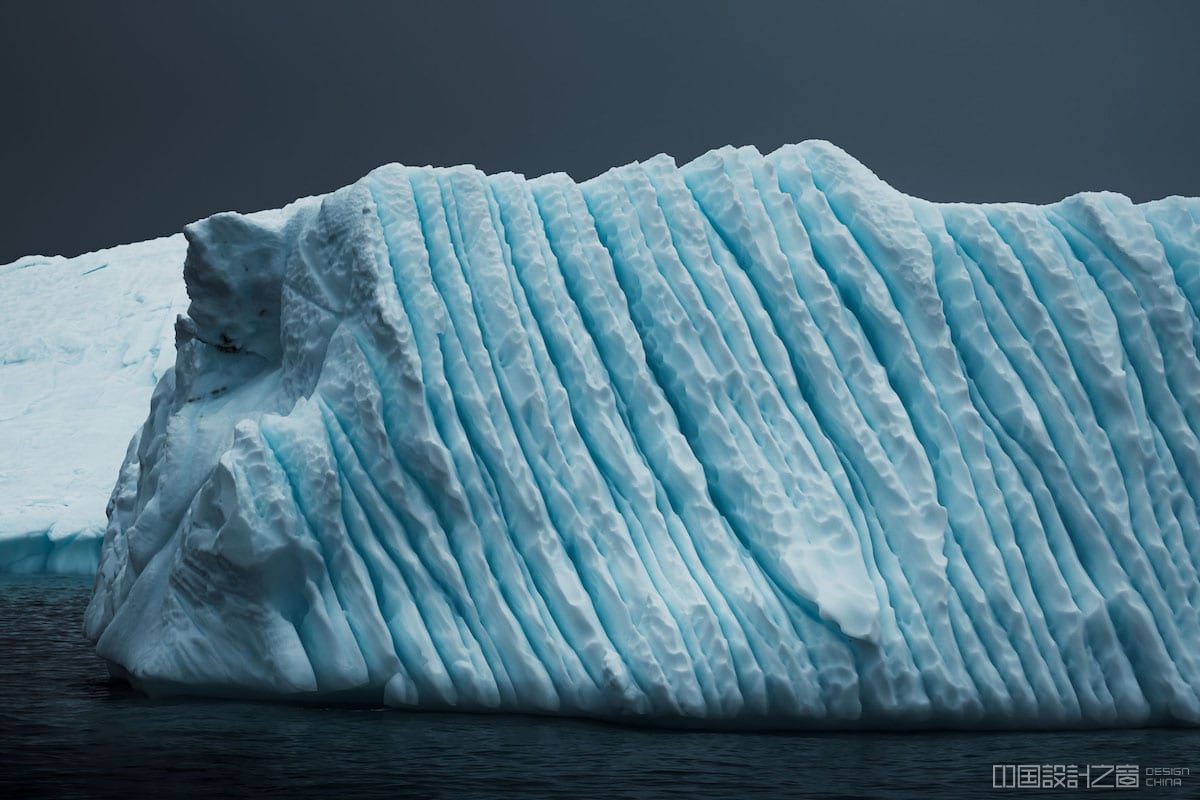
758	440
84	341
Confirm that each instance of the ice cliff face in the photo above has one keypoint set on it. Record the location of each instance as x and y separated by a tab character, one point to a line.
757	440
85	340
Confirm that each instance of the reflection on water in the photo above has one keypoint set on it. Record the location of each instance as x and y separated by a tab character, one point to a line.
66	730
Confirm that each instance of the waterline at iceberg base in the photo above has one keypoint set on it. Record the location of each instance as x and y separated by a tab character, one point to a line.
755	441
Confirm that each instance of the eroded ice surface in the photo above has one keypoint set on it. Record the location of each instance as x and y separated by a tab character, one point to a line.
756	440
84	341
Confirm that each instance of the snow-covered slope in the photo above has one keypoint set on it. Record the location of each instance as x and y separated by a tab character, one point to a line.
84	341
755	440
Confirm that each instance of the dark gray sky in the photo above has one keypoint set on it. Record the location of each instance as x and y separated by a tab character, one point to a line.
124	121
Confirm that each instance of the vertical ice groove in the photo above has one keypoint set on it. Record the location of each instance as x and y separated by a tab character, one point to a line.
438	579
756	439
1135	438
850	348
413	646
1128	262
1047	584
335	664
583	260
434	551
755	295
634	503
750	493
574	501
689	233
544	370
926	366
1178	231
409	256
1086	354
322	505
755	409
463	535
668	244
1043	364
1132	246
644	525
866	304
1112	676
570	218
784	243
751	331
676	640
1003	352
591	594
979	357
589	390
1151	383
1151	401
575	343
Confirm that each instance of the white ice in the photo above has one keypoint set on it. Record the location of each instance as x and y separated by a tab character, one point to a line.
83	342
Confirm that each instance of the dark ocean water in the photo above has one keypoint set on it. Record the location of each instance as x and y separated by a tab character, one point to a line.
66	730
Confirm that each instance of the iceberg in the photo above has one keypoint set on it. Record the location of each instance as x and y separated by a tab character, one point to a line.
86	340
756	441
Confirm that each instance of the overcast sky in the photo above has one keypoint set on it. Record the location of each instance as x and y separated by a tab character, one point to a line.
124	121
